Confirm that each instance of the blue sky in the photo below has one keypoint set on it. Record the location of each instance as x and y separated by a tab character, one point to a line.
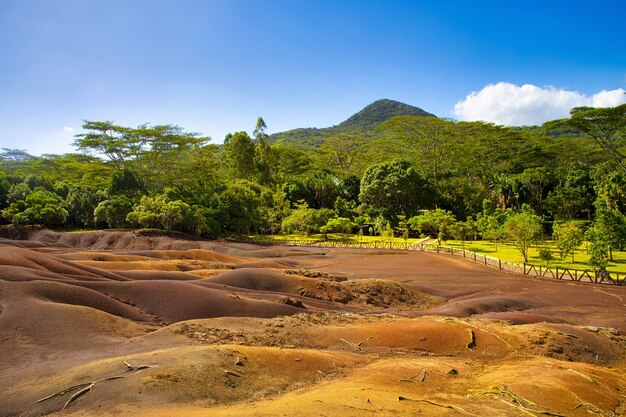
214	66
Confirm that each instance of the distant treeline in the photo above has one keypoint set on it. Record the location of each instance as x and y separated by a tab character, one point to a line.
360	179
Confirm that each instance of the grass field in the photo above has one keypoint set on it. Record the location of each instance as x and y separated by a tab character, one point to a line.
502	251
510	253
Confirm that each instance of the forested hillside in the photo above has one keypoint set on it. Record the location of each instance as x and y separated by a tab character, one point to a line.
369	179
364	121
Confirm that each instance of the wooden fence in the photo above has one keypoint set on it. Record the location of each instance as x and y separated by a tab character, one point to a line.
555	272
560	273
339	243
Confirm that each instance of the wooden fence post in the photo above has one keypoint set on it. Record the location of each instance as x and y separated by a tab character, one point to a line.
500	264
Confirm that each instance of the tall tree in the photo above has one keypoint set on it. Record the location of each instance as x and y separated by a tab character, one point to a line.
162	152
607	126
393	188
264	155
568	236
430	137
573	195
113	141
343	151
609	226
239	152
535	183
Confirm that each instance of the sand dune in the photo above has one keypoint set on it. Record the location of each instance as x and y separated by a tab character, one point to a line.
167	325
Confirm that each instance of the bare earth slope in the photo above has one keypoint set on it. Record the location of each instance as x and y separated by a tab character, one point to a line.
129	323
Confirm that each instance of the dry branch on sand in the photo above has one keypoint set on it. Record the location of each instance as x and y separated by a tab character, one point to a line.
448	406
422	373
513	400
356	346
84	388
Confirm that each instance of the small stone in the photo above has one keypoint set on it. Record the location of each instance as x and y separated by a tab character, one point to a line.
592	329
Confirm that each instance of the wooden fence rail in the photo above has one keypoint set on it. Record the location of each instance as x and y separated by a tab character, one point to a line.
555	272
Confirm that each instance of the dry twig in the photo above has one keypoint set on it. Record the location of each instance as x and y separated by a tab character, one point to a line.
356	346
87	386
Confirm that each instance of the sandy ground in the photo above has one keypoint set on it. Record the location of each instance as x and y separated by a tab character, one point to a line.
129	323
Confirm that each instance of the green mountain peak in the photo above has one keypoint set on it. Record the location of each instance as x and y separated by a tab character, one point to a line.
365	120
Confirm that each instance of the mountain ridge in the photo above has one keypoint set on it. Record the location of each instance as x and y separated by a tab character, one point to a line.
364	120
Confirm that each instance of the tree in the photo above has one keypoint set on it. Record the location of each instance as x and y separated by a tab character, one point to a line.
18	192
202	172
239	152
113	141
345	208
273	213
598	249
433	221
403	227
39	207
393	188
568	236
343	151
80	203
127	182
153	151
460	231
15	154
610	185
238	207
535	183
573	195
289	163
5	186
264	157
296	192
360	222
341	225
607	126
523	229
206	224
545	254
146	212
431	139
158	152
163	213
324	189
113	211
609	227
307	220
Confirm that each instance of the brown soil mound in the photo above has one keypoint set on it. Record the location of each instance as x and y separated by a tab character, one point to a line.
145	323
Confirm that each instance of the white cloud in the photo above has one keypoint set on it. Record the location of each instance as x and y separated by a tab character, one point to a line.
608	98
68	129
508	104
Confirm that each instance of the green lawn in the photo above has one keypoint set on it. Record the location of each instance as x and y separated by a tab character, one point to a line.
510	253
